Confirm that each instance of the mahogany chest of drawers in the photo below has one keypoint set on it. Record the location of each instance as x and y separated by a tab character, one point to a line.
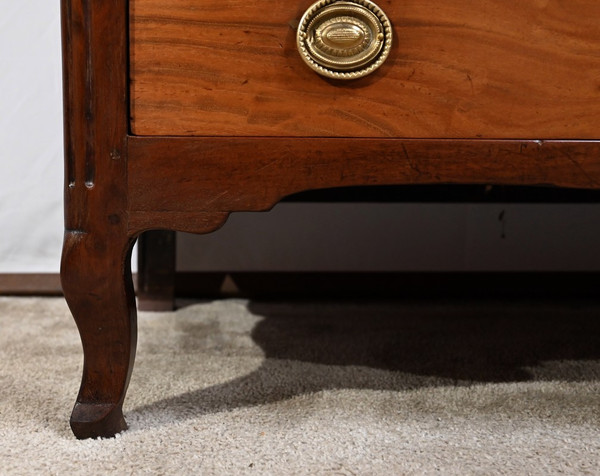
180	112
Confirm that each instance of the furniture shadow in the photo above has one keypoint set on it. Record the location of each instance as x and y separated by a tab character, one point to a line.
400	346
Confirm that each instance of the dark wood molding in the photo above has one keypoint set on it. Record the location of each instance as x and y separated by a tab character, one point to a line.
174	179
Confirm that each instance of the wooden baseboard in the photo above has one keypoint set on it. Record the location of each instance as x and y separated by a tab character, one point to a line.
344	285
33	284
30	284
389	285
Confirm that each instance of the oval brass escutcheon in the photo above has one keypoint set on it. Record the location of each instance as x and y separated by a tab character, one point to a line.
344	39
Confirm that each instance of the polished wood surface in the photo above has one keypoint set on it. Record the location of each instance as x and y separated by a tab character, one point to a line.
178	176
118	184
95	271
498	69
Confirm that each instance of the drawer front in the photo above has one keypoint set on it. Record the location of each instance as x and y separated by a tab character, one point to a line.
500	69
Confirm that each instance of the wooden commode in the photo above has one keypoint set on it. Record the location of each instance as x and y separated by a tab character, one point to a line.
179	112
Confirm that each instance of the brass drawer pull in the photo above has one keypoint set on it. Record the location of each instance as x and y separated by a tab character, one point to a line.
345	39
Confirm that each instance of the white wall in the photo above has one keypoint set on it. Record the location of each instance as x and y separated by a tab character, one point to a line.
293	236
31	173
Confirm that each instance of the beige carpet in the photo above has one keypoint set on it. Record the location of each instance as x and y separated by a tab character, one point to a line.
235	387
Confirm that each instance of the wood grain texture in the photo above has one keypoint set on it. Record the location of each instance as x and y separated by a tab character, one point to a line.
179	176
95	271
501	69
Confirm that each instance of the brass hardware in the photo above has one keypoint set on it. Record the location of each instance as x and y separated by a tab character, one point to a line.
344	39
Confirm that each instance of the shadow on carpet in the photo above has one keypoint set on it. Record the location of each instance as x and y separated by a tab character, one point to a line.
311	347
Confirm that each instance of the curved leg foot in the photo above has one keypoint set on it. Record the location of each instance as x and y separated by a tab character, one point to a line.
96	279
93	420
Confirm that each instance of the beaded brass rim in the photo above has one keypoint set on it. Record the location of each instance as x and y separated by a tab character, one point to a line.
344	39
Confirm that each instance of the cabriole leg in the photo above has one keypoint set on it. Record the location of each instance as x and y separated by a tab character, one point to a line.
96	279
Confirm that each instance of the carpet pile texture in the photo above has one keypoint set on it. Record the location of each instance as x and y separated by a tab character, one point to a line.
316	388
